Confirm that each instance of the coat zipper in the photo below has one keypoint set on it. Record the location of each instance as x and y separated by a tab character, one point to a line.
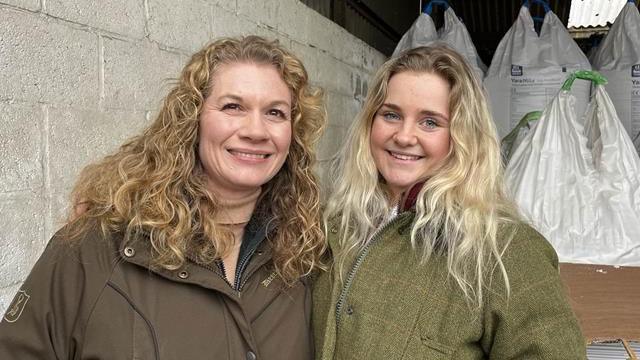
213	270
241	267
222	272
347	284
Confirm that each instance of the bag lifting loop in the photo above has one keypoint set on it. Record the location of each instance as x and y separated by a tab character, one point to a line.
543	3
591	75
429	7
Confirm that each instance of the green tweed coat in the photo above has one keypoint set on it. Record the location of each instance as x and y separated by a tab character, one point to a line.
391	307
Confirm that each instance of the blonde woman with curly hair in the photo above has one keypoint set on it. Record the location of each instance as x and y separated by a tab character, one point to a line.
195	239
431	260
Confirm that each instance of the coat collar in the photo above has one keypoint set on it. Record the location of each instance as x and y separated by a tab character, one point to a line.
409	197
138	250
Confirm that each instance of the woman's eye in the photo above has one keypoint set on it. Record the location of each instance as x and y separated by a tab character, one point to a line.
429	123
390	116
231	106
277	113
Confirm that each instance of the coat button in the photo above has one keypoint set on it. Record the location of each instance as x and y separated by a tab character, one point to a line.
334	230
349	310
251	355
183	274
259	252
129	251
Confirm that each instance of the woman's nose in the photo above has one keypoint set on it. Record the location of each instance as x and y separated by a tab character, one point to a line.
254	127
405	135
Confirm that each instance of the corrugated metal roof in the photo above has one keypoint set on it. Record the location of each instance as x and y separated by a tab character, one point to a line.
585	13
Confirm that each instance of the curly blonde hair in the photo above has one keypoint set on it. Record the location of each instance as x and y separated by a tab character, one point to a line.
155	183
459	208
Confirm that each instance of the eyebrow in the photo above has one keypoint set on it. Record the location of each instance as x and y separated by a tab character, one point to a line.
239	99
422	112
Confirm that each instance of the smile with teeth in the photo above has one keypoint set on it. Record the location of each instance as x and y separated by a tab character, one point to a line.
247	155
404	156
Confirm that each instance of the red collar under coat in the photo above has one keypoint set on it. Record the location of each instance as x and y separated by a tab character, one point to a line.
410	196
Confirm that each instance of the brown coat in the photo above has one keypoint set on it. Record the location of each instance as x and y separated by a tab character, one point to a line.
100	300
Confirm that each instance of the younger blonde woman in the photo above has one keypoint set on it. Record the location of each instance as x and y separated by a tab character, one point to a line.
431	260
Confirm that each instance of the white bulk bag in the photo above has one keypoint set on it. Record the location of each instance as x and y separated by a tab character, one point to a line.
618	59
527	69
580	186
511	142
453	33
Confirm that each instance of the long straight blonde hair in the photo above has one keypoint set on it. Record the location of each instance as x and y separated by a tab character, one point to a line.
459	208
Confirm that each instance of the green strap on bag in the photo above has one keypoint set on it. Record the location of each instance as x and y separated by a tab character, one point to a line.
591	75
509	140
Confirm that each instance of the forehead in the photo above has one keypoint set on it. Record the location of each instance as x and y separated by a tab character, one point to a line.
247	79
423	90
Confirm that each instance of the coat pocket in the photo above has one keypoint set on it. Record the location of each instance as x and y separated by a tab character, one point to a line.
423	347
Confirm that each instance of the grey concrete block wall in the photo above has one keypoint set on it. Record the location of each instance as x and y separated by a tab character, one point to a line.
77	79
123	17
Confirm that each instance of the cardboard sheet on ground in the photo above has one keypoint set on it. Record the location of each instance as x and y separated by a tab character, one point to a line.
580	185
527	69
453	33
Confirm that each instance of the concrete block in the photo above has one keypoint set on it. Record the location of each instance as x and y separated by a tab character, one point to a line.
78	137
138	75
293	19
270	34
322	169
336	109
125	17
349	50
33	5
351	110
45	61
226	4
331	142
359	84
58	211
6	296
261	11
327	70
20	147
372	59
228	24
183	25
21	235
321	32
309	57
345	78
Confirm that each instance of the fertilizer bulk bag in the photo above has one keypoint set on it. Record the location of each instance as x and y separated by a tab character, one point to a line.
580	185
618	59
528	69
453	33
511	142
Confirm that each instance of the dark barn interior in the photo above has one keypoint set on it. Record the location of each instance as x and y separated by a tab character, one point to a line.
381	23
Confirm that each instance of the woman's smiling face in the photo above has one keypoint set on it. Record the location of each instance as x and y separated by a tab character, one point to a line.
245	127
410	132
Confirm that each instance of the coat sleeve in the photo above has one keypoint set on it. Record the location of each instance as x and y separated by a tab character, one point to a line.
46	317
535	321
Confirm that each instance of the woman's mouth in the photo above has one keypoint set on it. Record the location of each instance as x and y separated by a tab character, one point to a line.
249	155
401	156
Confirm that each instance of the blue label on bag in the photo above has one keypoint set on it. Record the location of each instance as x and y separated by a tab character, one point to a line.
635	70
516	70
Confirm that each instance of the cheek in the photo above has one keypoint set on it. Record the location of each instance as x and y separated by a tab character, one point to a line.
440	147
377	137
282	136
